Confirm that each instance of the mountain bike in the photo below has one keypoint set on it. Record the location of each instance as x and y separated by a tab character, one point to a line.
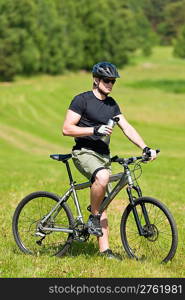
43	222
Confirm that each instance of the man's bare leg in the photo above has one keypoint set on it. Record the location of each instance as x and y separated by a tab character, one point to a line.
98	190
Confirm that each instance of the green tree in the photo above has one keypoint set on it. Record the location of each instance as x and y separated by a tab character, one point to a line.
174	19
145	35
72	32
51	36
165	16
18	51
179	44
110	32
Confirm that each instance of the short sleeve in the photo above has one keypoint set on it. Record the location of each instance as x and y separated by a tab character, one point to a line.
78	104
117	110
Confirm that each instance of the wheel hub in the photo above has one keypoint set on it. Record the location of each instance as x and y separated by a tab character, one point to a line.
151	232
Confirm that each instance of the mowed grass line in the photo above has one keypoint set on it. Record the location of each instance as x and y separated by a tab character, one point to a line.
32	111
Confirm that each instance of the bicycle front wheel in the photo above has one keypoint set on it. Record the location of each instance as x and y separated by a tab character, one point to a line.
161	238
27	217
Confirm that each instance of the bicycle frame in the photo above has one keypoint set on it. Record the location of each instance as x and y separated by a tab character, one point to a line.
72	192
124	178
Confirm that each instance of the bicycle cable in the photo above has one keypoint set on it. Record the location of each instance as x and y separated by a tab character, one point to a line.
137	166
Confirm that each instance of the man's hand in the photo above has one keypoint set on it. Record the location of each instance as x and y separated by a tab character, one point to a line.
102	130
149	153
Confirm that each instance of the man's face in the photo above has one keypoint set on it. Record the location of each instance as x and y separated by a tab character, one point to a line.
106	84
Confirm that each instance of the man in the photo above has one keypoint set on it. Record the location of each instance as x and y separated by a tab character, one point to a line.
86	120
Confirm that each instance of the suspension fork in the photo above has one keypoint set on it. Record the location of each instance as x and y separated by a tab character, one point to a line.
135	213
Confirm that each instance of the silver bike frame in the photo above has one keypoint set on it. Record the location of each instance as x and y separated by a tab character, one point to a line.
123	181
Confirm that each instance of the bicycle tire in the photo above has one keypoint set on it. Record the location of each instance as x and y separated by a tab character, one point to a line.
29	212
162	245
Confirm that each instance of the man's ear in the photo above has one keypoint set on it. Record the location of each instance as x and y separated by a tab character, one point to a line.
96	81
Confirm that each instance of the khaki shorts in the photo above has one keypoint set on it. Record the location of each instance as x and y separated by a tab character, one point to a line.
88	162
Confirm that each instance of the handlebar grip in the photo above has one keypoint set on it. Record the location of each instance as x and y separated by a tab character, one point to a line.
114	159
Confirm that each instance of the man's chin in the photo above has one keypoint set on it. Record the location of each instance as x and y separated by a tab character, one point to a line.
108	92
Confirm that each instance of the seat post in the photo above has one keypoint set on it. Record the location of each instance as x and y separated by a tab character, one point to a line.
69	172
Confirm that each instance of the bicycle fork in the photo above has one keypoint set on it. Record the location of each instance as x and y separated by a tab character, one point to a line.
142	231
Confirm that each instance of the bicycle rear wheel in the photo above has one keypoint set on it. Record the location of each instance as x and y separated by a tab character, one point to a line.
27	216
161	242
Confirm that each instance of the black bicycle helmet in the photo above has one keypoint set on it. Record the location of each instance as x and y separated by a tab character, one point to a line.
105	69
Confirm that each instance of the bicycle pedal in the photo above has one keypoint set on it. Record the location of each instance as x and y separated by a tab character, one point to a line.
38	233
97	233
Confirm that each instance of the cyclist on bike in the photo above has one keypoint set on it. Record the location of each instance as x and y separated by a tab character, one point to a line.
86	120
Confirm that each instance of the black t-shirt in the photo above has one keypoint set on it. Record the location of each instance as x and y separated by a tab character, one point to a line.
93	112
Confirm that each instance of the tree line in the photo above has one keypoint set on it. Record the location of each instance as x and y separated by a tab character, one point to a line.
51	36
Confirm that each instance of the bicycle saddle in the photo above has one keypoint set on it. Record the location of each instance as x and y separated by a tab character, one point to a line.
61	157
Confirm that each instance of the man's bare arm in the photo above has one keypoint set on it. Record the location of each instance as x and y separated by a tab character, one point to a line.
130	132
71	129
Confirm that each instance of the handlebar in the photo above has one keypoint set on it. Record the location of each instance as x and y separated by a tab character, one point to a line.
130	160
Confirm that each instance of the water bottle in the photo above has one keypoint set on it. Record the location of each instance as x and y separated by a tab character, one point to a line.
111	123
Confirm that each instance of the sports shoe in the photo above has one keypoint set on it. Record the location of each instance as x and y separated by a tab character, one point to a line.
94	226
109	254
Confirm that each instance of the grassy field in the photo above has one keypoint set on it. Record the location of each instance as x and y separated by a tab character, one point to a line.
151	94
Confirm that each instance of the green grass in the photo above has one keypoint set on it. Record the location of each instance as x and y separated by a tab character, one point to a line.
173	86
151	95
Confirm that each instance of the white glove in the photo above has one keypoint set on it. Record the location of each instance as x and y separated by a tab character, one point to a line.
153	154
102	130
150	153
